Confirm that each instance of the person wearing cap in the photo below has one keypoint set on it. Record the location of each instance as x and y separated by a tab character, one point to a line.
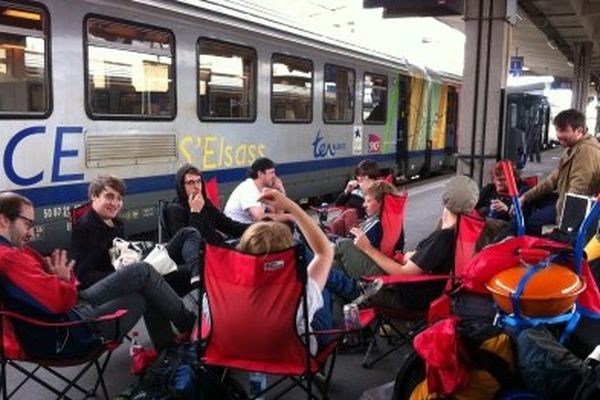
433	255
243	205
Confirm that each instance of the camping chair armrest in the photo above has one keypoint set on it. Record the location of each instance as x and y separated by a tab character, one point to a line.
365	316
402	279
64	324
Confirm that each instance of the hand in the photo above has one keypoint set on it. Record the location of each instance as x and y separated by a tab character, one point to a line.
498	206
275	200
196	202
278	184
361	241
59	264
351	185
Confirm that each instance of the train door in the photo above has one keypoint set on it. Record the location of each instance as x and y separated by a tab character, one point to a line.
451	126
402	126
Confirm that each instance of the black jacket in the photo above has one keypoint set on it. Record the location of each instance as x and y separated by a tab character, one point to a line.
210	221
90	241
351	200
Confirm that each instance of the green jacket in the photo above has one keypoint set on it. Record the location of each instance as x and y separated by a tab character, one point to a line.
578	172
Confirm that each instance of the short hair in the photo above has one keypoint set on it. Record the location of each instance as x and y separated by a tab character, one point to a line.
99	183
367	168
265	237
570	117
11	204
260	165
378	189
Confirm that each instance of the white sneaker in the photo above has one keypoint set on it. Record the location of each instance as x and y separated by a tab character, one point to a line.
368	290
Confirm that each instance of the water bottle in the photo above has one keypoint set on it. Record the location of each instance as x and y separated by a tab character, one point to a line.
258	383
594	358
135	347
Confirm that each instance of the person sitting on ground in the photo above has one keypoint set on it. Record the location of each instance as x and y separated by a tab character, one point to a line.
352	197
494	200
243	205
93	234
271	236
47	288
192	208
433	255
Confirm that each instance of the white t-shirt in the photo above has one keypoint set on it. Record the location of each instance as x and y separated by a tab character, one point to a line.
244	196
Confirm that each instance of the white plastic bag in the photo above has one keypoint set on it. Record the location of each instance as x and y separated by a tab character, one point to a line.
160	260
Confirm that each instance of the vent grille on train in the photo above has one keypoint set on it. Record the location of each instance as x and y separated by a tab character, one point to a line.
129	148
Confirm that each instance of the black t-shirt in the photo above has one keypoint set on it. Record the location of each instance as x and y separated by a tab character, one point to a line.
434	255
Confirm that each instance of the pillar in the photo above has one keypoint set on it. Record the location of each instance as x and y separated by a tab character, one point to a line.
582	53
488	34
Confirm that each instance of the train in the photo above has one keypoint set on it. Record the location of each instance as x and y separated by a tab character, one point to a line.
138	88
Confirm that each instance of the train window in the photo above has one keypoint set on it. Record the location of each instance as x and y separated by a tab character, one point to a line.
338	93
374	106
291	89
226	81
130	72
24	80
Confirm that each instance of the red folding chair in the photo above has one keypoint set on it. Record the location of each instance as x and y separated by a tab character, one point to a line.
469	228
76	212
253	303
212	191
13	354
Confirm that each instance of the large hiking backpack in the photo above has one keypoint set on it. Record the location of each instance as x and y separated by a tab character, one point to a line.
488	352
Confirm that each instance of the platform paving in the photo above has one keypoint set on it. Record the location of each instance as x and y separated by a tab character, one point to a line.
350	380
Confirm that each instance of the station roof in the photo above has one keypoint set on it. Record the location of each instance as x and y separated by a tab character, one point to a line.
545	31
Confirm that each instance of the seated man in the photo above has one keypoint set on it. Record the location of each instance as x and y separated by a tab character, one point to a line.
494	201
268	237
192	208
243	205
47	288
434	254
93	235
353	198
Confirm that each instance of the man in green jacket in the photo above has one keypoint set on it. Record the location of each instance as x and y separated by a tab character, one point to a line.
578	172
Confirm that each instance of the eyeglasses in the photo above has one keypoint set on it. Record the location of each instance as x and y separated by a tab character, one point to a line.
194	182
28	221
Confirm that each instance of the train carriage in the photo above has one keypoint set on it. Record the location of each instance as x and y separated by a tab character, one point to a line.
137	88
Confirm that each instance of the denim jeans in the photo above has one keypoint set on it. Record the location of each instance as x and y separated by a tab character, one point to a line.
184	249
139	289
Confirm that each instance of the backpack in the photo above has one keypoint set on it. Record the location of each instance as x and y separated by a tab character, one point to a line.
173	375
488	352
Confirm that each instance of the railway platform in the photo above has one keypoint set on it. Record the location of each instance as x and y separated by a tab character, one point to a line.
350	380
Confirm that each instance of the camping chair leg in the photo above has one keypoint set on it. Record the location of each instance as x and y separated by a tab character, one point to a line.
31	375
381	322
3	380
100	381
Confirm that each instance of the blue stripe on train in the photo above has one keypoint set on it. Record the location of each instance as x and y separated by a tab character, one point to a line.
61	194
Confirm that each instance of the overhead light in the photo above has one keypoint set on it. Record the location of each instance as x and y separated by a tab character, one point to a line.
570	64
526	68
10	12
552	44
519	17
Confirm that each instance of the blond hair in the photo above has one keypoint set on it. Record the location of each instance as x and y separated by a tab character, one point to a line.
265	237
378	189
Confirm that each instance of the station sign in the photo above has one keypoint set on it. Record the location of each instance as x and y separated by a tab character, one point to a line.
516	66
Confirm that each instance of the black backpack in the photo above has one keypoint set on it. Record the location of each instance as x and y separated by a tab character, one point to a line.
173	375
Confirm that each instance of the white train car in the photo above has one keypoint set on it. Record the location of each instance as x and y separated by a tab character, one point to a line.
138	88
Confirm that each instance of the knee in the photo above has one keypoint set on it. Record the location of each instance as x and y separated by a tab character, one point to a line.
190	233
139	270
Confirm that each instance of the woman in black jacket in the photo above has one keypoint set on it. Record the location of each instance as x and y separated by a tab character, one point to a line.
192	208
